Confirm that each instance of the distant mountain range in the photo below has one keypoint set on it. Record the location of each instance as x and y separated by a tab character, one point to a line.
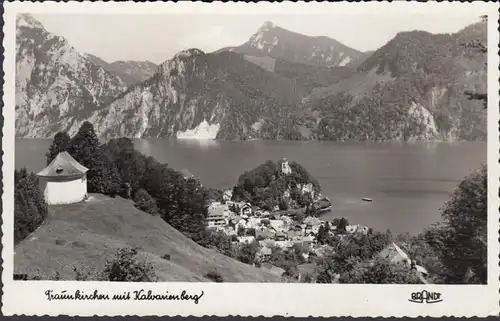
278	85
130	72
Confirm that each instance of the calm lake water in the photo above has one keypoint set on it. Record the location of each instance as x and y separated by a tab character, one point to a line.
408	183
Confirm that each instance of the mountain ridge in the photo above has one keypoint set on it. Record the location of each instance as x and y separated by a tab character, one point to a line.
410	88
54	81
280	43
130	72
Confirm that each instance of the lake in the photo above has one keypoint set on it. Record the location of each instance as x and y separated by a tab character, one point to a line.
408	183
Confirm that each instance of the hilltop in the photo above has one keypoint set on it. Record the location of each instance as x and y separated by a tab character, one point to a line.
87	233
411	88
276	42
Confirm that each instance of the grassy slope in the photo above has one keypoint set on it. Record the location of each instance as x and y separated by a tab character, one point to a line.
90	232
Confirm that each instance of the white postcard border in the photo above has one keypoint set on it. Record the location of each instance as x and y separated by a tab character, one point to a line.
252	299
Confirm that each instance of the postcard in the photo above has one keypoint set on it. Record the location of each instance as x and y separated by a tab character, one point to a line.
292	159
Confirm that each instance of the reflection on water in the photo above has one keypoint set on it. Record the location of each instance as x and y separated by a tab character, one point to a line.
408	182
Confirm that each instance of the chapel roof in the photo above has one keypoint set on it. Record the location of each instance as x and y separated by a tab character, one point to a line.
64	165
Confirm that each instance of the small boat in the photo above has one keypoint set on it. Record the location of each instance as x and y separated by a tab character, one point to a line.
366	199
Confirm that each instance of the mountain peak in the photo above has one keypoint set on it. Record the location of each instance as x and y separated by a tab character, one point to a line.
27	21
268	25
193	52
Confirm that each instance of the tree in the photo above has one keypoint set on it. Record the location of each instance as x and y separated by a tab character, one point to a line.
60	143
125	266
84	145
247	252
129	163
483	49
30	208
144	202
341	227
381	271
102	176
218	240
461	240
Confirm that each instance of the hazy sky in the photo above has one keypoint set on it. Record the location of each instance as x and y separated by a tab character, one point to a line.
158	37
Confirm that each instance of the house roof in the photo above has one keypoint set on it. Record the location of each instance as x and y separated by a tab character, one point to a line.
421	269
266	251
394	253
215	211
64	165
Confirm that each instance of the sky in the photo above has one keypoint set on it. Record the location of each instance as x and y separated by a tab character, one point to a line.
157	37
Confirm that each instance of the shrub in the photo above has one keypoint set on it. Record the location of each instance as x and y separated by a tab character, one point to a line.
126	267
214	276
166	257
144	202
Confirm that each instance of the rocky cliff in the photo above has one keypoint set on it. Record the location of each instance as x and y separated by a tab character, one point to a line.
55	85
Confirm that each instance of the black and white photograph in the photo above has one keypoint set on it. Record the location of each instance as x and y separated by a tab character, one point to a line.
253	147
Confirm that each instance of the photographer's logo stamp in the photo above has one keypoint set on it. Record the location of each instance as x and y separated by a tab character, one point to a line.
425	297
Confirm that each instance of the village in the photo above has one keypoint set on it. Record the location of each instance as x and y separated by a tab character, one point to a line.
287	230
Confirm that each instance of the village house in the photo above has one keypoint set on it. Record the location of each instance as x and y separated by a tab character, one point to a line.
357	229
284	244
396	255
246	239
216	215
227	195
277	225
264	233
265	253
63	181
267	243
285	168
246	210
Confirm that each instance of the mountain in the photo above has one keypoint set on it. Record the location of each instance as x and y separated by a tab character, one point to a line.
87	234
276	42
54	83
292	88
130	72
202	95
411	88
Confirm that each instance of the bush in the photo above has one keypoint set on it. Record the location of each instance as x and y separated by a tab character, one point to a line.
214	276
30	208
144	202
126	267
166	257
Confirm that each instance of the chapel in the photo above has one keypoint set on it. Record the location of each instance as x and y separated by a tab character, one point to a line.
63	181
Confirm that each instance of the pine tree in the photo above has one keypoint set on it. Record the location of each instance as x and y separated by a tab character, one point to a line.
102	176
61	143
84	145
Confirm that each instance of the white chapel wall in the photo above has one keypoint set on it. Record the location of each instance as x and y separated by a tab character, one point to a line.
65	192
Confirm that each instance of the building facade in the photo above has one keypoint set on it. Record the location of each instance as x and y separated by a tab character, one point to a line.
63	181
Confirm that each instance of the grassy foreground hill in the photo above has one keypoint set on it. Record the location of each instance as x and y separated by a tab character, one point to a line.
89	233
